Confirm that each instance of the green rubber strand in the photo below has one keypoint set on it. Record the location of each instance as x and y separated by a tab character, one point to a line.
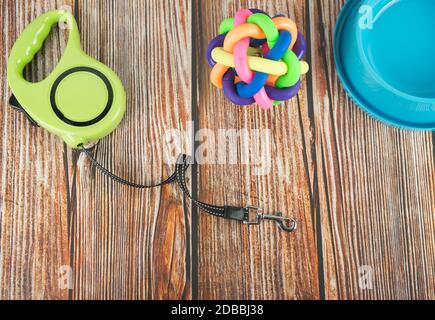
294	71
267	25
226	26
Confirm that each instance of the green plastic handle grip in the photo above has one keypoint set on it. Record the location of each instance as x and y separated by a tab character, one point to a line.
33	37
81	100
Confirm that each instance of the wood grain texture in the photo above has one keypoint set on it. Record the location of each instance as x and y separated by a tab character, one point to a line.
376	187
364	193
130	244
237	262
33	182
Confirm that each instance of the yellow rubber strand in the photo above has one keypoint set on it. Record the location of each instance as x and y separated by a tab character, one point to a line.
258	64
304	67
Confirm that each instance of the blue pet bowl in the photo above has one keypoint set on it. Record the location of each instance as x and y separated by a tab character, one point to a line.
384	51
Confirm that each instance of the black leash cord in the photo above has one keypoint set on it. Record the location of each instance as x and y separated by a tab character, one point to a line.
179	177
120	180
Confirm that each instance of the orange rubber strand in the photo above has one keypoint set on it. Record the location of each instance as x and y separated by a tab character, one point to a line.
217	74
246	30
283	23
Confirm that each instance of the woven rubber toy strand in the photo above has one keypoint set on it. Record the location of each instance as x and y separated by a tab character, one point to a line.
256	58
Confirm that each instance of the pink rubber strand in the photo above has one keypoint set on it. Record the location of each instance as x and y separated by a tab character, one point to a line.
241	61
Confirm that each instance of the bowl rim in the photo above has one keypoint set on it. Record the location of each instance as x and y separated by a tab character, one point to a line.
369	68
353	92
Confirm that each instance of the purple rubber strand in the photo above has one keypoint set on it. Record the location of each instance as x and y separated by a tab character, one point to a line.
253	10
216	42
283	94
300	47
230	90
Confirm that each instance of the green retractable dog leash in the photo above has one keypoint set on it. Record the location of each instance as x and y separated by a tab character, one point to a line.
83	100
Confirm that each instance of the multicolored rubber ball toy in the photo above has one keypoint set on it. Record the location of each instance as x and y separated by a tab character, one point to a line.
257	58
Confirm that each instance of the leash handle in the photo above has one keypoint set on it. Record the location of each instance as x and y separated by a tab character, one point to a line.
81	100
242	214
32	38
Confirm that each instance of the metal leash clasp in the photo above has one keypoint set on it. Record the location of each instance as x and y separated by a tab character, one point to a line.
285	223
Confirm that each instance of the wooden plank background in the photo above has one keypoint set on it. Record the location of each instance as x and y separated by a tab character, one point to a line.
363	192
